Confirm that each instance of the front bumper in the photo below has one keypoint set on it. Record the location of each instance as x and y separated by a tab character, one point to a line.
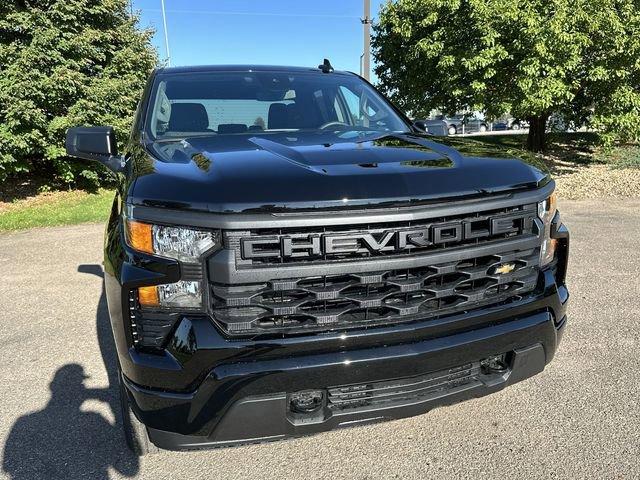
247	401
269	417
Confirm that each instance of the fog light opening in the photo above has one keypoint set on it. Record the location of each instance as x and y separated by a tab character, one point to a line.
496	364
308	401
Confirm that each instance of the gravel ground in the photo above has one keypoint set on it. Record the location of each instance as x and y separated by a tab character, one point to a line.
578	419
599	181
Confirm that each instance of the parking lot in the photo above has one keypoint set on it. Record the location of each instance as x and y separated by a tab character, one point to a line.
578	419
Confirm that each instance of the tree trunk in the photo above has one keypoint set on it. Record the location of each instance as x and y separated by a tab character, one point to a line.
536	141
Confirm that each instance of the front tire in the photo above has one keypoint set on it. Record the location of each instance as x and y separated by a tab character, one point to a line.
135	432
483	128
515	126
452	130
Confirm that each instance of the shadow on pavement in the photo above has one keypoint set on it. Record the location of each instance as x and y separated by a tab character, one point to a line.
63	442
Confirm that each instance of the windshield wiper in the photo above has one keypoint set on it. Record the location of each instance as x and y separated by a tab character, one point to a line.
184	137
383	135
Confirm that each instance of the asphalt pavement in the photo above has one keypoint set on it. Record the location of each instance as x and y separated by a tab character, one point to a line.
580	418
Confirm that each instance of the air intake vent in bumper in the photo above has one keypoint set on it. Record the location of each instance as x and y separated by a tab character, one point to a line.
402	391
149	329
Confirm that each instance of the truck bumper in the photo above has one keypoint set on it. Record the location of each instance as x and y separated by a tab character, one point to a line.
251	401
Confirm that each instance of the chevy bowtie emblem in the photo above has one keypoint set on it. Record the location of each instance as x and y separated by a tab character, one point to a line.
504	268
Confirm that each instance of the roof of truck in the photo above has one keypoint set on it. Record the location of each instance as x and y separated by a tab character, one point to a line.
241	68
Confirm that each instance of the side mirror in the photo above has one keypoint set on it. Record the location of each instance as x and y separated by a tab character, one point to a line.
95	143
438	128
420	125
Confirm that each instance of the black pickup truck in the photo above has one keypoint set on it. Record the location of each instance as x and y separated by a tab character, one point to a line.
288	254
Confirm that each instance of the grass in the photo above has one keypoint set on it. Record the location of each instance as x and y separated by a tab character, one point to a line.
576	148
579	141
568	152
622	157
56	208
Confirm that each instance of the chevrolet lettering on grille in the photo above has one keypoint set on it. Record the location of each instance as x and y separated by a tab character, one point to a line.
385	241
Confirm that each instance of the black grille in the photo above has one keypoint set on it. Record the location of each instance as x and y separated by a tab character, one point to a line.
375	298
402	391
522	215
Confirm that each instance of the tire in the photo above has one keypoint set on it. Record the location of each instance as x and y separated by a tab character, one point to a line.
483	128
515	126
452	130
135	432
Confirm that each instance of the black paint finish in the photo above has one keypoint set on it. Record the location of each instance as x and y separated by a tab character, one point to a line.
239	173
187	387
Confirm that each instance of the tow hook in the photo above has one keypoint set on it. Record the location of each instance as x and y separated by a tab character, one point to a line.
307	401
495	364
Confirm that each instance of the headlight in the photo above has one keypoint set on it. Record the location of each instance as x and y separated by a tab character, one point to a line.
181	243
187	245
546	211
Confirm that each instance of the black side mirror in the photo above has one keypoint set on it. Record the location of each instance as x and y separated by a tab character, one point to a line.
95	143
420	125
438	128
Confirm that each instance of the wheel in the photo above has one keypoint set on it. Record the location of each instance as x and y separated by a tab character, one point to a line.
135	432
483	128
515	126
452	130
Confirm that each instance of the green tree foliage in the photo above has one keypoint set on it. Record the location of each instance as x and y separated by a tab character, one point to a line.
65	63
578	59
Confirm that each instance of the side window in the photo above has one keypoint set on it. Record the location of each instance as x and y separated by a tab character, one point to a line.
161	111
330	106
365	110
353	104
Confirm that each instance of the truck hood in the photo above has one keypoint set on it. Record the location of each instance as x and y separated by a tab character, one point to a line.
290	171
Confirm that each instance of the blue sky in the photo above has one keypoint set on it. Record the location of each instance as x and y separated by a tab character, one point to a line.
278	32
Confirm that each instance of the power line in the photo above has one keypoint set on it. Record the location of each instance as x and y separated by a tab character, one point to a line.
252	14
365	59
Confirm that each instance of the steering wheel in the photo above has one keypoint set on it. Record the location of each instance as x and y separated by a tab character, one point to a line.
332	123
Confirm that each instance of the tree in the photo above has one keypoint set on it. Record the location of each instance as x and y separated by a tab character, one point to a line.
65	63
577	59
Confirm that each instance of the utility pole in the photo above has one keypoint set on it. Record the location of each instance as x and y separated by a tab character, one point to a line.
366	24
166	33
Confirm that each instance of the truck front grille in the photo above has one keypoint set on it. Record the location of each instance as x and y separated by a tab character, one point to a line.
306	304
318	277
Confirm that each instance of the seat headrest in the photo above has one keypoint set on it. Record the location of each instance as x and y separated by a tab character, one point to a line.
278	116
232	128
188	117
294	117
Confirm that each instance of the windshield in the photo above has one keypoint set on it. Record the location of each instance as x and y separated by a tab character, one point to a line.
260	103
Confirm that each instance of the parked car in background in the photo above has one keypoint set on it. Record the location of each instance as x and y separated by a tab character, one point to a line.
516	124
509	124
557	123
463	124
